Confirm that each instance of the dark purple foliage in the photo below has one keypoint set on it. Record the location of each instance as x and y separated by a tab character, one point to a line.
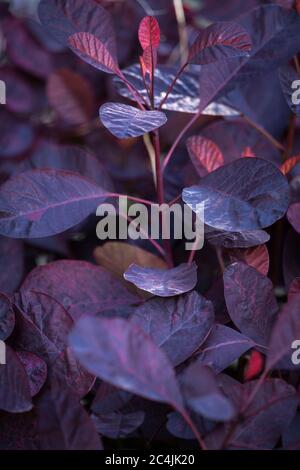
145	342
163	282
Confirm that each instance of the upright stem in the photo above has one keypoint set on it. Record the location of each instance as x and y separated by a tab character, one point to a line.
160	193
171	86
193	428
182	32
135	93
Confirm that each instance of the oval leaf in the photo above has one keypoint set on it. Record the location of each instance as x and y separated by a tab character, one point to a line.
179	325
90	49
149	32
205	154
163	282
36	370
247	194
220	41
250	301
122	354
125	121
54	201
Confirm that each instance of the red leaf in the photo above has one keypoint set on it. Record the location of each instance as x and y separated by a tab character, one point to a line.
90	49
149	60
70	95
149	32
219	41
289	164
247	152
205	154
254	366
257	257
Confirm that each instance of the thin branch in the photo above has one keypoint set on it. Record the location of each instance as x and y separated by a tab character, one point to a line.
264	132
171	86
182	31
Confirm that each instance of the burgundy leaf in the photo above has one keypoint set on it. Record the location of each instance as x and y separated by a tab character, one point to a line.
90	49
122	354
109	399
118	425
71	97
7	317
58	422
201	391
47	154
205	154
222	347
250	301
36	370
163	282
54	201
45	334
179	325
220	41
63	18
286	330
14	386
81	287
247	194
291	436
125	121
149	32
36	61
257	257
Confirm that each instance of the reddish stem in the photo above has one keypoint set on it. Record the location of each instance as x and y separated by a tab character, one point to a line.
171	86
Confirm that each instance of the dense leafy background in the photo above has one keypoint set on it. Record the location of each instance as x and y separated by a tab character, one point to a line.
128	344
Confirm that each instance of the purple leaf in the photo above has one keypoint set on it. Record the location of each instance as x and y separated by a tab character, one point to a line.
66	157
36	61
80	287
14	386
184	97
178	325
51	324
291	436
222	347
286	330
109	399
247	194
163	282
90	49
118	425
54	201
236	239
218	42
202	393
122	354
250	301
7	317
257	257
125	121
58	422
63	18
178	427
270	27
71	97
268	415
36	370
